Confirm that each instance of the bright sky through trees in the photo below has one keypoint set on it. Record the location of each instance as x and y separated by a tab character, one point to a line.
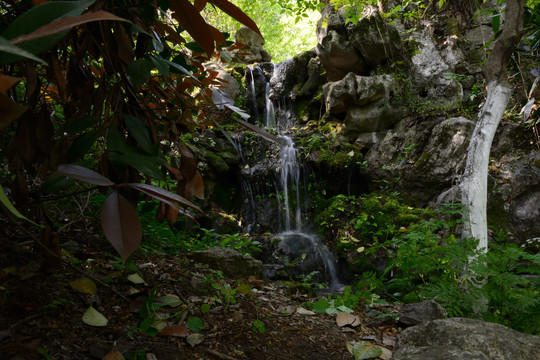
284	38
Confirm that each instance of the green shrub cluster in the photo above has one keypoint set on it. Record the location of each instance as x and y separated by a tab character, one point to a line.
410	255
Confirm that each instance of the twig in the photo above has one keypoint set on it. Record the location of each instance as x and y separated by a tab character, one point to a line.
28	318
218	354
37	241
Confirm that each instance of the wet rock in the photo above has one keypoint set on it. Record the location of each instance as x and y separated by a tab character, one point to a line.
230	261
416	313
461	338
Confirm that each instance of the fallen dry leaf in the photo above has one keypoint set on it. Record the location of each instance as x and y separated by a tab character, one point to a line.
346	319
175	330
84	285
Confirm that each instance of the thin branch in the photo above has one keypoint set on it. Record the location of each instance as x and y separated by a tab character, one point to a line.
93	277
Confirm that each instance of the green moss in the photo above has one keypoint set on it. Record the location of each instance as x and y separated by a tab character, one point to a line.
423	159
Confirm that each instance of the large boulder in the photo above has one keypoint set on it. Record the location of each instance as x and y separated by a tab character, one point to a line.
426	156
253	51
359	48
230	261
368	102
435	73
461	338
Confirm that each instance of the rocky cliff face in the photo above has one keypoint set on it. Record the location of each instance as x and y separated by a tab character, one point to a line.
405	98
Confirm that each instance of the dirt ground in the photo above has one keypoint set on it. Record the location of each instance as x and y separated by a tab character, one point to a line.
41	311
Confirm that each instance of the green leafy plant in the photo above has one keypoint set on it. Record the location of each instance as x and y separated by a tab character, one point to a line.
258	326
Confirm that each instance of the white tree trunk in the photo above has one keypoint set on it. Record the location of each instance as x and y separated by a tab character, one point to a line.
474	183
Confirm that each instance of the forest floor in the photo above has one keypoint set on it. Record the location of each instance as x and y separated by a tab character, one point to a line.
41	311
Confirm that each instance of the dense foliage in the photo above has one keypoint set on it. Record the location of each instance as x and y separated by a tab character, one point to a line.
409	254
114	96
286	34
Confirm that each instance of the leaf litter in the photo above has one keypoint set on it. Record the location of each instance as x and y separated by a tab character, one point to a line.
196	323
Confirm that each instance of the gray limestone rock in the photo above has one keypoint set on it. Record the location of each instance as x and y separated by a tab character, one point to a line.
230	261
347	47
416	313
254	47
461	338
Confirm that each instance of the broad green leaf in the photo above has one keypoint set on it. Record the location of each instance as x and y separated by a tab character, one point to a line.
121	224
14	53
141	134
146	164
55	183
116	141
170	300
205	308
84	174
79	125
44	14
5	201
181	69
81	145
135	278
320	306
139	71
161	65
195	324
84	285
163	195
93	317
37	17
496	21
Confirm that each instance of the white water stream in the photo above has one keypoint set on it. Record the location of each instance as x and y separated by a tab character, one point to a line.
293	232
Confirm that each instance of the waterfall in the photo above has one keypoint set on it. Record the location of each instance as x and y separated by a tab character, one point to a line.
295	238
289	175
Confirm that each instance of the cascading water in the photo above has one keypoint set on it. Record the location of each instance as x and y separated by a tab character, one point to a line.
295	238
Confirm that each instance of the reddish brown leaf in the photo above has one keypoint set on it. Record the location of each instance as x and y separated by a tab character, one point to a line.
114	355
6	82
10	110
175	173
198	185
218	36
84	174
59	76
121	224
65	24
200	4
237	14
125	50
190	19
160	213
172	215
175	330
188	164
